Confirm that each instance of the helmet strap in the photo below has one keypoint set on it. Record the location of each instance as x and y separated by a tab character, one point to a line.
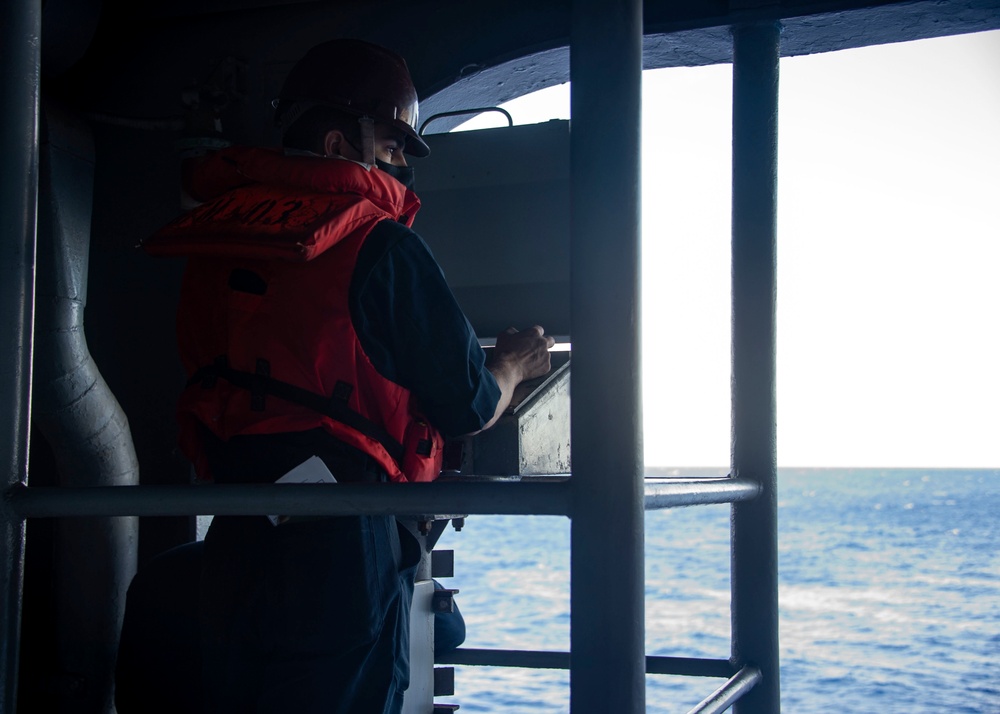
291	114
367	140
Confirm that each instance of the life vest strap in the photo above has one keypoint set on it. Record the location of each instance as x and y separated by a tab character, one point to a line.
261	383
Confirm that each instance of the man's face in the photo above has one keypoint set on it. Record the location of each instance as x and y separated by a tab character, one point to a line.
389	143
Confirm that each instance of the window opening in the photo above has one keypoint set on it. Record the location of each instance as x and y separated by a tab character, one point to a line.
886	302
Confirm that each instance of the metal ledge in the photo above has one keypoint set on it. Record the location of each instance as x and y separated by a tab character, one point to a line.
547	496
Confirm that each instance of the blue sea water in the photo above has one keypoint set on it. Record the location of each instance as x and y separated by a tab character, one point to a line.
889	596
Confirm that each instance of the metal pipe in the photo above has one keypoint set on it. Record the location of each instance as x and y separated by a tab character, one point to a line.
526	659
94	559
754	450
729	693
20	39
510	498
689	666
607	632
533	659
671	493
419	499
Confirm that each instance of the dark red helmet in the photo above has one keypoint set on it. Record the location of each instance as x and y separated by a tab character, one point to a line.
356	77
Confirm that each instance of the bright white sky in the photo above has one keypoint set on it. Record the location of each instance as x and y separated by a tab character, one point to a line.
888	254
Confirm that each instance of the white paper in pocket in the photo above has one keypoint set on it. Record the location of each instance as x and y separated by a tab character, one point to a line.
312	470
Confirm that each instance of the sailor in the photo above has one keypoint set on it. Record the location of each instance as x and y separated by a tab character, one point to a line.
313	321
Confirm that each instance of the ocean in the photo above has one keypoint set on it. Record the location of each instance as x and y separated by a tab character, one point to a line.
889	596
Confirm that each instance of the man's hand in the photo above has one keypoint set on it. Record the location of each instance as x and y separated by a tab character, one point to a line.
524	354
518	356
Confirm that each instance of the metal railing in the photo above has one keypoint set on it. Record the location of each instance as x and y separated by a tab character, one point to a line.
20	56
551	497
607	660
466	497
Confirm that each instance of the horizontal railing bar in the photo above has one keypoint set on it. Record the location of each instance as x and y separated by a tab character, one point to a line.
689	666
465	497
528	659
673	493
419	499
729	693
533	659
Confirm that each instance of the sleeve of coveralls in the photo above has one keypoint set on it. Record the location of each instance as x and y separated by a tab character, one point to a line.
415	333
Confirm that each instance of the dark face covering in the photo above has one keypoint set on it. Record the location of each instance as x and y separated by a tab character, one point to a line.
403	174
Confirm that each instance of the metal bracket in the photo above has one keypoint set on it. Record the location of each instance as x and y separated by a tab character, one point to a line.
444	682
442	563
443	600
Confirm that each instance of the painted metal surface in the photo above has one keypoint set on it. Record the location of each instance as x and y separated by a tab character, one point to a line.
533	436
535	659
672	493
94	559
495	212
754	451
419	696
426	500
607	631
729	693
20	29
438	500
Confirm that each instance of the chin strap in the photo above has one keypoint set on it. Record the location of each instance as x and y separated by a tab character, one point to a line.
367	140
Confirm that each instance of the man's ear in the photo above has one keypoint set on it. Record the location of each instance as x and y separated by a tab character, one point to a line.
332	141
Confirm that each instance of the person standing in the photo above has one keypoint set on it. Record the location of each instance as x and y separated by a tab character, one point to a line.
313	321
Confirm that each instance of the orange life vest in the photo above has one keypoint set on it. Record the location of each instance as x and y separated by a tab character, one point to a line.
264	325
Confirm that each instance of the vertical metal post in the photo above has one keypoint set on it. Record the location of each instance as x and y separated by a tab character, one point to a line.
754	522
607	594
20	61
